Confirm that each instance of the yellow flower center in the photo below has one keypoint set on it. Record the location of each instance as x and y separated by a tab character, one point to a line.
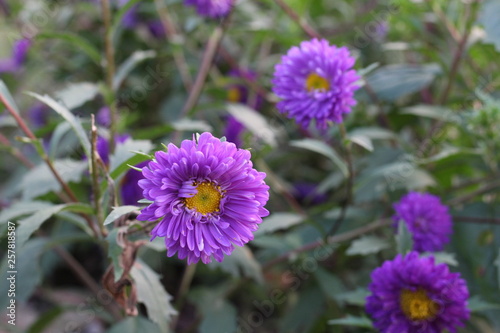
206	200
316	82
416	305
233	94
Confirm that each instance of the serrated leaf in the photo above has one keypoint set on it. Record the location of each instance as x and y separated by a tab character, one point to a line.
41	180
324	149
69	117
129	64
119	211
254	122
391	82
367	245
134	325
152	294
29	273
352	321
491	21
22	208
278	221
29	225
404	240
76	94
240	263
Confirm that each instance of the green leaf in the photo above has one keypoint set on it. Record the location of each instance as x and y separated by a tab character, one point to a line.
29	273
77	41
191	125
41	180
129	64
4	91
69	117
22	208
240	263
278	221
442	257
363	136
304	311
324	149
254	122
150	291
220	316
491	22
367	245
134	325
128	149
477	304
356	297
404	240
63	141
329	283
76	94
115	251
391	82
432	111
119	211
45	319
497	263
352	321
29	225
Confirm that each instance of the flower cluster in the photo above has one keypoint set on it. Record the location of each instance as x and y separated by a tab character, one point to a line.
427	219
414	295
315	81
207	195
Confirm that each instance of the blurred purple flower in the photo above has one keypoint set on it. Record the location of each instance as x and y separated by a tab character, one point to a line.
315	81
16	61
307	194
414	295
38	115
103	116
427	219
156	29
130	190
211	8
207	196
102	146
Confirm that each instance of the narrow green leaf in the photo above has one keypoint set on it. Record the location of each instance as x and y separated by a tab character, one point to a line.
278	221
477	304
491	22
69	117
152	294
76	94
129	64
254	122
367	245
352	321
404	240
75	40
118	212
355	297
22	208
4	91
324	149
432	111
115	251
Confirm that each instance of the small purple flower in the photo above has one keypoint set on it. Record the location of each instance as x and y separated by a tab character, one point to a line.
427	219
207	196
315	81
103	117
102	146
156	29
414	295
130	190
19	52
211	8
307	194
39	114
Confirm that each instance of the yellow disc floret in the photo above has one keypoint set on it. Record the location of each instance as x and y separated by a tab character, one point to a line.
206	200
233	94
316	82
416	305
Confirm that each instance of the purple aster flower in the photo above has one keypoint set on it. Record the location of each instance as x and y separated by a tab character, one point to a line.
207	196
38	114
427	219
211	8
414	295
315	81
19	52
103	116
130	190
156	29
233	131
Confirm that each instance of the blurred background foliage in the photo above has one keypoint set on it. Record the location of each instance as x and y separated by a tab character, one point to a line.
427	119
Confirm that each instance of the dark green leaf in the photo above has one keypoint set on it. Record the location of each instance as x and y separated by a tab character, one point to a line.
356	297
135	325
352	321
22	208
329	283
278	221
324	149
367	245
115	251
476	304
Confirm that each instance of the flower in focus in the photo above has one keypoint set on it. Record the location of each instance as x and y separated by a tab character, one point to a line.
427	219
414	295
211	8
315	81
207	195
19	52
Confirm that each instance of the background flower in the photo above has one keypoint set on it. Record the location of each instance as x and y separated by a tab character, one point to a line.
16	61
211	8
427	219
315	81
414	295
207	195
